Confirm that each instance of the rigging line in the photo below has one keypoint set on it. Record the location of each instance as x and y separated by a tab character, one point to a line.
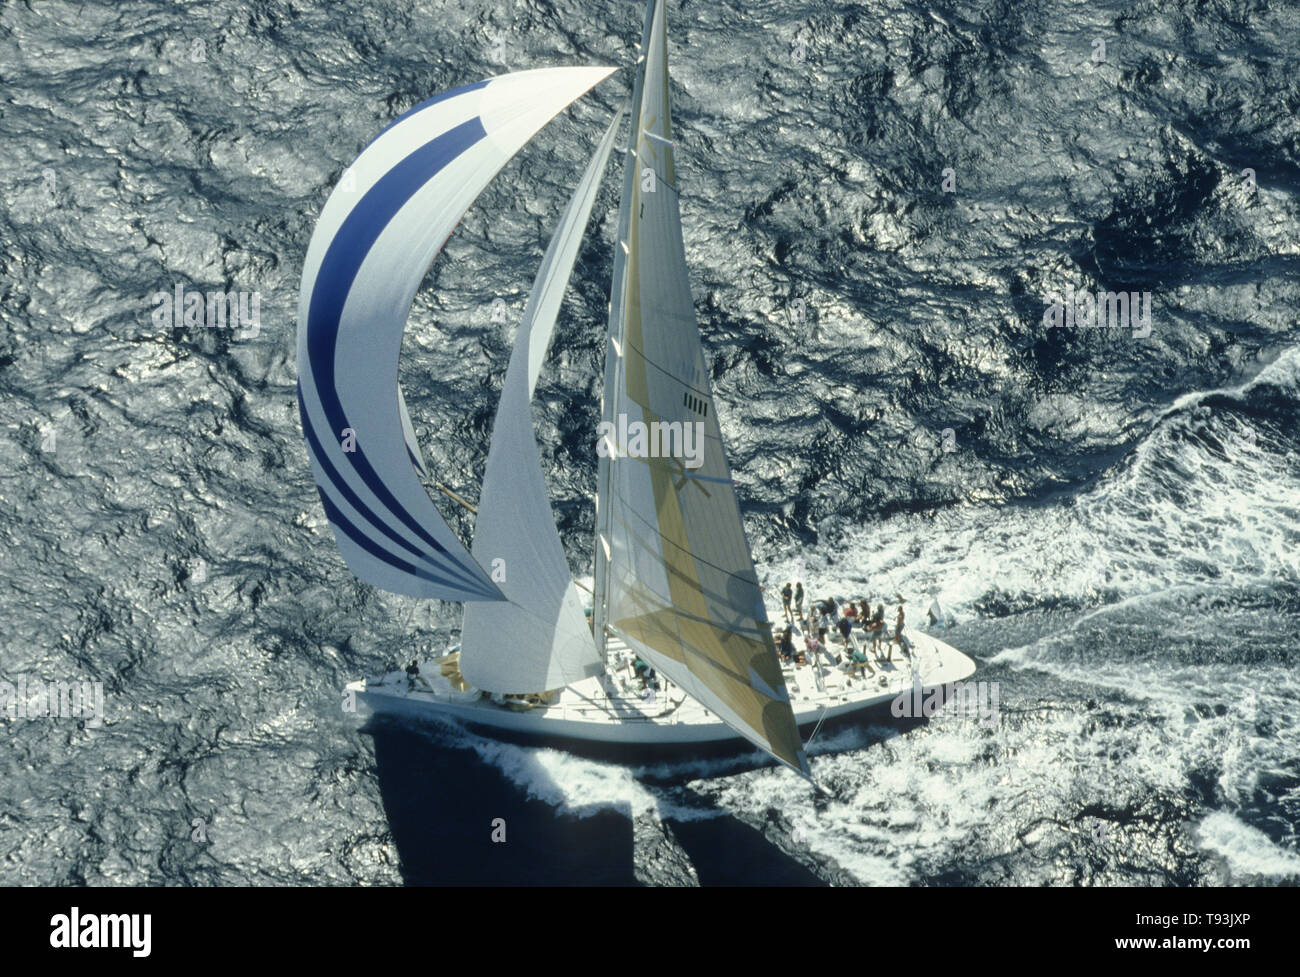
620	451
660	602
683	472
751	733
659	180
729	668
663	602
603	710
821	720
663	140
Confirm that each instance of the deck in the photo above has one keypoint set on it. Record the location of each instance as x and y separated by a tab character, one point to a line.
615	707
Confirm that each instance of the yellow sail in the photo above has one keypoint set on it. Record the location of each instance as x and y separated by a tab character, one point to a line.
674	573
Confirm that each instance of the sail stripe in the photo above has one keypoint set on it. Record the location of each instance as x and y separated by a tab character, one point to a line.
427	103
371	545
339	269
341	522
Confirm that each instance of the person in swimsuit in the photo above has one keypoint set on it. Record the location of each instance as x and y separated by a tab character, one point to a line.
877	628
899	636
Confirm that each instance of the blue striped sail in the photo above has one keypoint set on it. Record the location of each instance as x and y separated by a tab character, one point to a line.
376	237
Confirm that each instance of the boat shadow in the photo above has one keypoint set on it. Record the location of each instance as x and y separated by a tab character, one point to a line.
459	818
723	850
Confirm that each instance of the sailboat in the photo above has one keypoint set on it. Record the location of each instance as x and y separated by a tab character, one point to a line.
669	640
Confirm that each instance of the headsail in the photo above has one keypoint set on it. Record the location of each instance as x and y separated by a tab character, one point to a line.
674	573
374	241
540	639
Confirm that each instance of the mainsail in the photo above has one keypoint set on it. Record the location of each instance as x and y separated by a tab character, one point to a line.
674	573
374	241
540	639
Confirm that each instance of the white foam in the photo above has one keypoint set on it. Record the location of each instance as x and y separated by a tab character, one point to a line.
573	785
1176	513
1248	851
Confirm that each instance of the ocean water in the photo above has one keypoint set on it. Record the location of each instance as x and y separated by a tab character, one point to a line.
878	199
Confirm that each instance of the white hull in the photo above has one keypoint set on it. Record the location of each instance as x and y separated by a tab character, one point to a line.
611	708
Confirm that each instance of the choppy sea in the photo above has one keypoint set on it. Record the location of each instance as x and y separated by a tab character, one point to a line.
879	200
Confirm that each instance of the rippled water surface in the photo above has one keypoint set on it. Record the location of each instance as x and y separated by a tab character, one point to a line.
878	199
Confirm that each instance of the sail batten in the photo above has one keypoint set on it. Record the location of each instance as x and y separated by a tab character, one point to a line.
379	231
674	574
540	639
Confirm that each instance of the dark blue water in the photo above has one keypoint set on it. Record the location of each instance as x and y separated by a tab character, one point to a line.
878	200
